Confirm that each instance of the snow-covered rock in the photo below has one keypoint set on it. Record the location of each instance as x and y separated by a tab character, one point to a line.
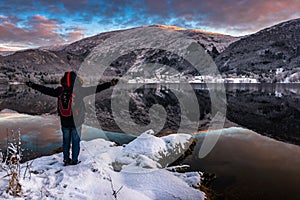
144	145
148	151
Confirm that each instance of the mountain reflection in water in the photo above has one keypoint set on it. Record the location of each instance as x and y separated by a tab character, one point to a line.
247	165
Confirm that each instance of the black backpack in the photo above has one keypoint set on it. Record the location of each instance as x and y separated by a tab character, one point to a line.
66	102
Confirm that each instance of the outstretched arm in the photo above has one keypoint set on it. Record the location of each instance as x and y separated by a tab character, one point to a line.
43	89
95	89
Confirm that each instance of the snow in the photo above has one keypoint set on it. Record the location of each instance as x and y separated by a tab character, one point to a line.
144	145
293	78
6	53
240	80
219	79
7	111
279	71
191	178
278	94
134	169
147	151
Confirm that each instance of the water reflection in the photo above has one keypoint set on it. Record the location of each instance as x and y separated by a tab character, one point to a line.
269	109
250	166
41	135
277	90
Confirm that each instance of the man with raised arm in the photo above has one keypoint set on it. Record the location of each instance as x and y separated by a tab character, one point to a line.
71	109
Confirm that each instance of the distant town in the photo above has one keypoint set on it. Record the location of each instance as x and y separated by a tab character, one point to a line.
194	79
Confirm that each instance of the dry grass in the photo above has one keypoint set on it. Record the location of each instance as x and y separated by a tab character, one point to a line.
12	164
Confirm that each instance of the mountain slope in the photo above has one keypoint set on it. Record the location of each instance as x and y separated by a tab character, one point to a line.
272	54
208	40
35	63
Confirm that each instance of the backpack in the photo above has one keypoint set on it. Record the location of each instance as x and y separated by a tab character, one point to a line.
66	102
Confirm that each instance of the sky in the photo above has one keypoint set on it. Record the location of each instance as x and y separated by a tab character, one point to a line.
31	23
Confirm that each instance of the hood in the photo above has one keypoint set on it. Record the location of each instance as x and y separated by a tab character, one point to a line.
68	80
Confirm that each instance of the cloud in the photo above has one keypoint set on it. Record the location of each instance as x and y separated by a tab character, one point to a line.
39	31
238	15
74	33
206	12
5	49
235	16
11	47
76	28
61	21
74	36
44	29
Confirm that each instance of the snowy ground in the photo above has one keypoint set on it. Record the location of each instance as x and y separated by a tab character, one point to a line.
134	171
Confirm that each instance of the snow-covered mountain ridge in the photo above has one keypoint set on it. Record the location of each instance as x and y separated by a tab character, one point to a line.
46	62
270	55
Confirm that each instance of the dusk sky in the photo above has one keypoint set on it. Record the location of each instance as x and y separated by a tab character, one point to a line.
30	24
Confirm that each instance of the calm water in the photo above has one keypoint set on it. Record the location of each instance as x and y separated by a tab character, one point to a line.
269	109
247	165
41	135
250	166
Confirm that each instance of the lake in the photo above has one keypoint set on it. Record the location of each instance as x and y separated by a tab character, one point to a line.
247	165
250	166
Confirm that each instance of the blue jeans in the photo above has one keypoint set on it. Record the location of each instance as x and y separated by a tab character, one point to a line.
71	134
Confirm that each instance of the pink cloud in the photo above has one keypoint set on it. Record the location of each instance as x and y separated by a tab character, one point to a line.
40	31
240	15
4	49
74	36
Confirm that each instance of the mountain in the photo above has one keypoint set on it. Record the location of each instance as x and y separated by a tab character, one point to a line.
208	40
271	55
48	63
6	53
55	47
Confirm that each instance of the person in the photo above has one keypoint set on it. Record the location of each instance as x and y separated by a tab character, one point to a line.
71	109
